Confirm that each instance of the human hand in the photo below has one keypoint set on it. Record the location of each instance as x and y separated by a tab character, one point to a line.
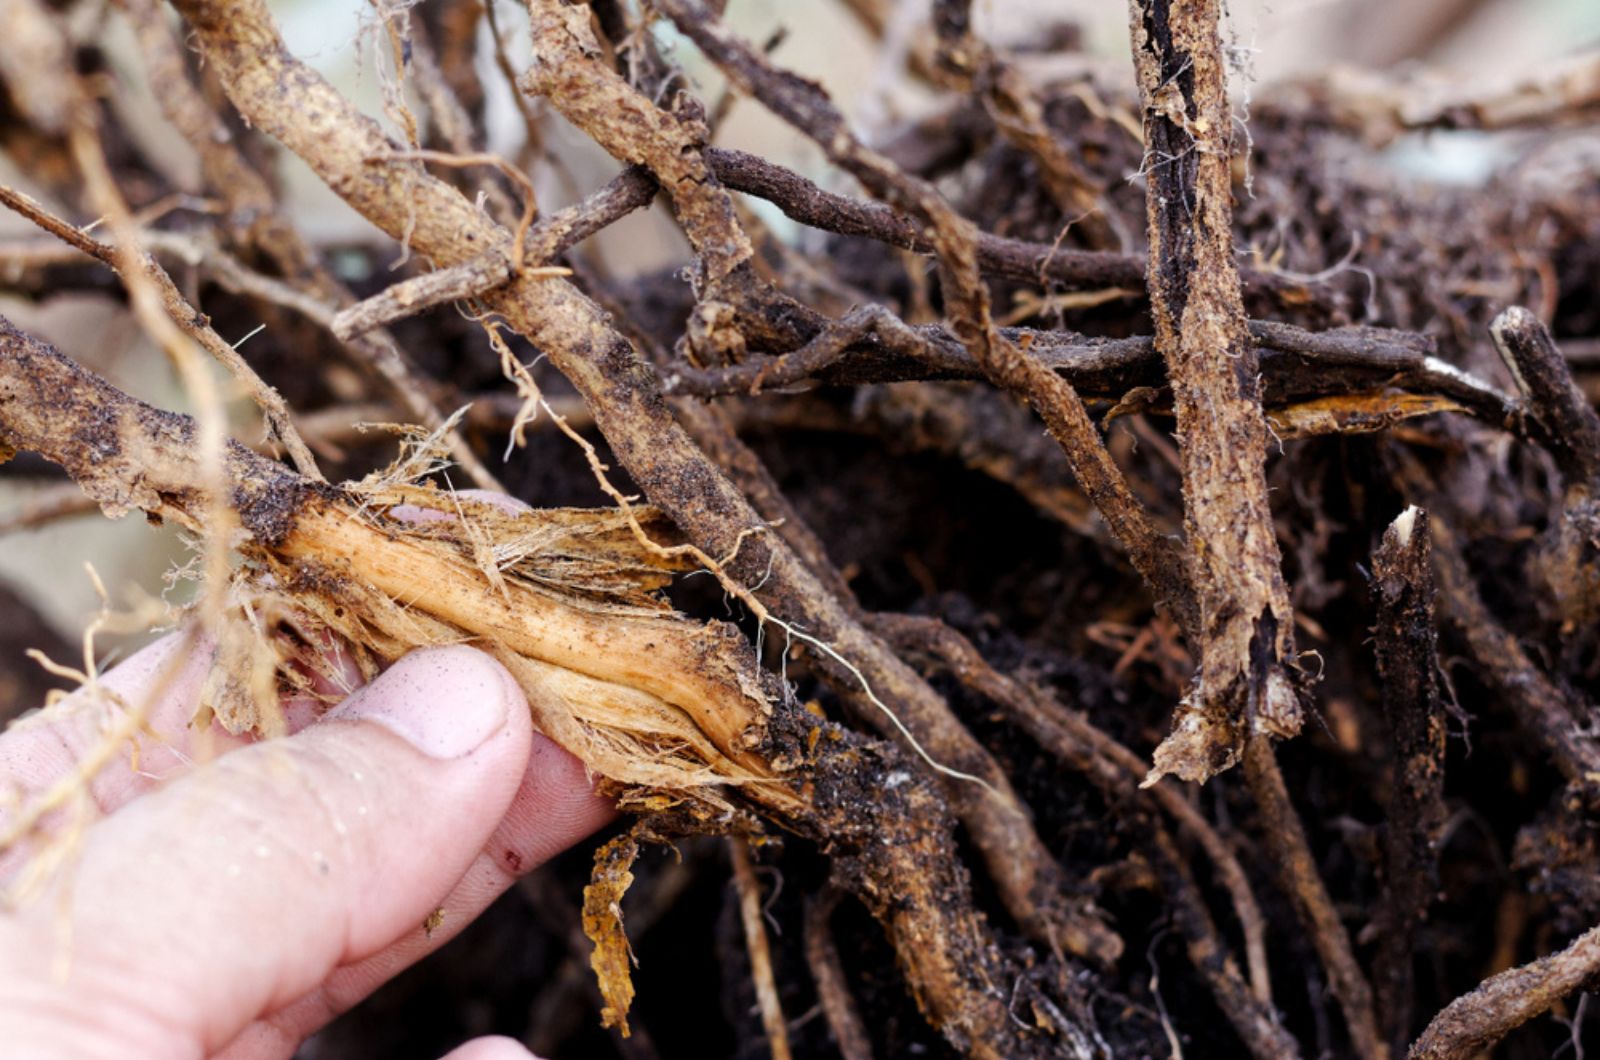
232	908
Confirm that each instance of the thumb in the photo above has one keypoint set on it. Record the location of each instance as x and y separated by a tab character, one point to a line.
240	887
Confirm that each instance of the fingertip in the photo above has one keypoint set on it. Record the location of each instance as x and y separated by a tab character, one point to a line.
417	513
555	807
494	1047
559	781
504	501
162	682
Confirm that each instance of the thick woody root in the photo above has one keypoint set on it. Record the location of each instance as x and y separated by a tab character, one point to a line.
1471	1025
1244	687
675	715
1245	693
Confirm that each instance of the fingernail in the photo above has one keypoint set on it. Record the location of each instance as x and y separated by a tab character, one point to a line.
445	702
504	501
415	513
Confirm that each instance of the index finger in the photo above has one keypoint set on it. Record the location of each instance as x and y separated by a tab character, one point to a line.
161	685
